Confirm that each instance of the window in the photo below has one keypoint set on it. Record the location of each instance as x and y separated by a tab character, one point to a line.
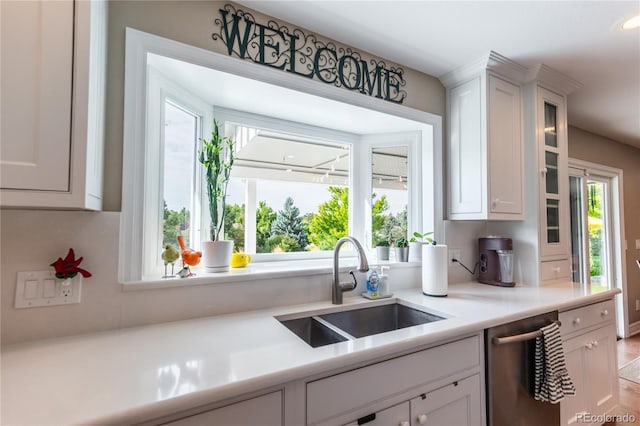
304	164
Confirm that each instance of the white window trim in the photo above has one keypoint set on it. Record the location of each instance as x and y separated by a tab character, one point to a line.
161	89
139	44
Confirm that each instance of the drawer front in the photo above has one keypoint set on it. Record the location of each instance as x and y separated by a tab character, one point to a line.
582	318
555	270
326	398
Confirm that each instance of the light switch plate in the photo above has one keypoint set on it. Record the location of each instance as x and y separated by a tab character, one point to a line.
42	288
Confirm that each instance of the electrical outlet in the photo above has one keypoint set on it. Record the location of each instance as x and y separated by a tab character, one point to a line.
66	290
637	304
454	254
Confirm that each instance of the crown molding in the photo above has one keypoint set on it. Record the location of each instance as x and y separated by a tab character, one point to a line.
492	61
553	80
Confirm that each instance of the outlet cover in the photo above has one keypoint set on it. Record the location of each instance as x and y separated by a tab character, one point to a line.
42	288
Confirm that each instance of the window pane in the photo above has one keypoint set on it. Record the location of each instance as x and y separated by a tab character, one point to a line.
551	160
180	136
553	221
390	196
597	225
296	187
550	129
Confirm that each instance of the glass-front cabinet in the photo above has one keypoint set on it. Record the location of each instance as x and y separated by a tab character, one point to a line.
552	125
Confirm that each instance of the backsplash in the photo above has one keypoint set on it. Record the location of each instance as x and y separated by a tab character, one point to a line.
32	239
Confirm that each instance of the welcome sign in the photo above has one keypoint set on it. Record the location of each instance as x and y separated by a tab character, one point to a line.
293	51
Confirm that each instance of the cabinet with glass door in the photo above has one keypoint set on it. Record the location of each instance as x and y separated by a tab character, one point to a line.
552	143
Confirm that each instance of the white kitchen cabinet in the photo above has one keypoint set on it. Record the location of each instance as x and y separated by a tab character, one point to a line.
553	186
53	78
541	243
590	349
265	410
485	140
456	404
380	391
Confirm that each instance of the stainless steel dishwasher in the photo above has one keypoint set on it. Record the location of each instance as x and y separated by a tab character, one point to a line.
510	350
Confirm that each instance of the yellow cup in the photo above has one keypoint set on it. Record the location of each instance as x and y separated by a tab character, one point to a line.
240	260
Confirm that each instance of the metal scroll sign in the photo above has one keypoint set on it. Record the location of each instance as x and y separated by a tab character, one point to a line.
293	51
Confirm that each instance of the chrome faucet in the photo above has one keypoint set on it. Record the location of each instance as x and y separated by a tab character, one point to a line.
363	266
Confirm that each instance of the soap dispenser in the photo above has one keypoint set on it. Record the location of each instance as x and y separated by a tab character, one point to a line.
373	282
383	288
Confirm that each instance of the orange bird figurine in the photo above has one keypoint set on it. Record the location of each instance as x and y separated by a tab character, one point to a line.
189	256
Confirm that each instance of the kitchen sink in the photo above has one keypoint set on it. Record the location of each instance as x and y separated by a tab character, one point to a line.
313	331
378	319
326	329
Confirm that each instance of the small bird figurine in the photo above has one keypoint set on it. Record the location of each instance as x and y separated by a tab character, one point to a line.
169	255
190	257
184	272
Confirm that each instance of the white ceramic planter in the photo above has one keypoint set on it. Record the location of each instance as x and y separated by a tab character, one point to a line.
415	251
216	255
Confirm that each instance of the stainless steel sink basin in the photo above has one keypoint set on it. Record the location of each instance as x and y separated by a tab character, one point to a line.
313	331
378	319
329	328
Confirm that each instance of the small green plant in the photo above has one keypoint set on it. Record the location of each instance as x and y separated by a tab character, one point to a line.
402	242
418	237
217	156
382	243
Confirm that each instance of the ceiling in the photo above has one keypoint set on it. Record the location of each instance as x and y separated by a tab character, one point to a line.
581	39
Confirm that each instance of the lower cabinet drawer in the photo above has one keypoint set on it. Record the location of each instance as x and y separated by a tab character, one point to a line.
555	270
331	396
265	410
587	316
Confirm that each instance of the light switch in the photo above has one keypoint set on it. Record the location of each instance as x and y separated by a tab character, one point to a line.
49	289
638	244
31	289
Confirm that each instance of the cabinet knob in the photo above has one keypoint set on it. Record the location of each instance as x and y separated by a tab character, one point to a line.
605	313
594	343
404	423
576	321
589	345
422	419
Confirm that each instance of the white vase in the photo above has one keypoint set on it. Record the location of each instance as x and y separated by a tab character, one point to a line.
216	255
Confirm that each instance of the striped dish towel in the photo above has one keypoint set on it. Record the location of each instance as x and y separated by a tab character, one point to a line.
552	381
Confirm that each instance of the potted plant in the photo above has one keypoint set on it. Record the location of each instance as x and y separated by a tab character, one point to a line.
382	249
217	156
415	245
402	250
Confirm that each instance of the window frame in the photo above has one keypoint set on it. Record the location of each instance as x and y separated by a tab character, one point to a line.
426	214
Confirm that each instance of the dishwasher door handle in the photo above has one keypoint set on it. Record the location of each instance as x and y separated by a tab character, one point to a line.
520	337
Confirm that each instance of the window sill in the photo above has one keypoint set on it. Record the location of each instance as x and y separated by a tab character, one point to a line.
260	271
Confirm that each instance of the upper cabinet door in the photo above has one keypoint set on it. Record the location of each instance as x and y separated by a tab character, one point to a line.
505	148
554	192
37	61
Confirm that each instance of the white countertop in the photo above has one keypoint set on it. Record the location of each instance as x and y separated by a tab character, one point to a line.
136	374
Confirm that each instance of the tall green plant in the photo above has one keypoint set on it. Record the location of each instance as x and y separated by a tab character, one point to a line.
217	156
